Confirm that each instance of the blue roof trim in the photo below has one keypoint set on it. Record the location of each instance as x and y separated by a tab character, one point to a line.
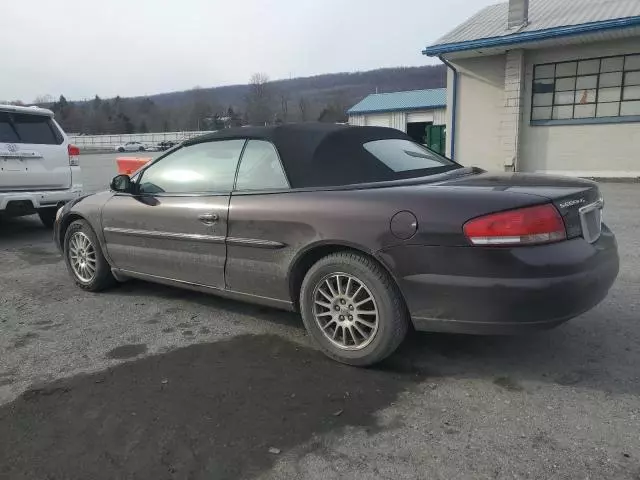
355	111
536	35
409	100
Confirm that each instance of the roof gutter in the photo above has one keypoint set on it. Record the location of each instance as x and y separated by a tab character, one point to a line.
534	36
454	109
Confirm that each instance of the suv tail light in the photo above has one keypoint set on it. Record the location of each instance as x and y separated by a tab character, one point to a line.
74	155
525	226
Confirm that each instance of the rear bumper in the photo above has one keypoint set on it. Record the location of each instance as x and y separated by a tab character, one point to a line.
39	199
500	290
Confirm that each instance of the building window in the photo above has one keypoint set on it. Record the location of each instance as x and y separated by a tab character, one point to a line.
587	89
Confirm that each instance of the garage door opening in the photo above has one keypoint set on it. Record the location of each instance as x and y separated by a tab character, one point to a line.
426	133
418	131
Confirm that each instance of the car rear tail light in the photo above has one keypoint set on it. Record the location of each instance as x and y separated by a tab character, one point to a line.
74	155
525	226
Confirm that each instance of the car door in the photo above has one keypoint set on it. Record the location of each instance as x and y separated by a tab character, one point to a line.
259	234
175	225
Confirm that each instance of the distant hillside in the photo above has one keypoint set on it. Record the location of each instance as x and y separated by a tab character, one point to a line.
323	97
323	88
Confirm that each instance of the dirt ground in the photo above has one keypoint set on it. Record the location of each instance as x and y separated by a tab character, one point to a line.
151	382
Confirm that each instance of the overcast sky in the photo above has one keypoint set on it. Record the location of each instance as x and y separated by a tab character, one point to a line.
80	48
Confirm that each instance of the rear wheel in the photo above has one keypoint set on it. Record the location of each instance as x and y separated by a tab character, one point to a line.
352	308
47	216
84	258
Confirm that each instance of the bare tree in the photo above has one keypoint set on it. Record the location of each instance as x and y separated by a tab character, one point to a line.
284	105
303	106
336	108
259	100
43	100
258	82
198	112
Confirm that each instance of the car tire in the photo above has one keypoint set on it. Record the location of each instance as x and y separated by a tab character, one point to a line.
96	274
141	149
47	216
121	149
391	320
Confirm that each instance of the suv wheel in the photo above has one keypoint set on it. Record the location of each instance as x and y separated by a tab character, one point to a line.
352	308
47	216
84	258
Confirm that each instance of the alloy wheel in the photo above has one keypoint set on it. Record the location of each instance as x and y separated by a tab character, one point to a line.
82	255
346	311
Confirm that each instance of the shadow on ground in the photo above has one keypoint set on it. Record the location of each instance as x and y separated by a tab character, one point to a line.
17	230
205	411
139	288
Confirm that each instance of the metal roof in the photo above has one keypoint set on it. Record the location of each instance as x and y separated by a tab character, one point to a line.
547	19
402	101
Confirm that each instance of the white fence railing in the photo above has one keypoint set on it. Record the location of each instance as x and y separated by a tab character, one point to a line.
111	141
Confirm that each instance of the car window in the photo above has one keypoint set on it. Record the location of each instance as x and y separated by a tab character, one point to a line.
260	168
27	128
7	132
403	155
201	168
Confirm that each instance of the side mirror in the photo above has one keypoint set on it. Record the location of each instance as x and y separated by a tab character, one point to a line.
122	183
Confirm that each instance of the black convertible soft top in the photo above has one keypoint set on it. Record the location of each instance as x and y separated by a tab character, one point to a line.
321	154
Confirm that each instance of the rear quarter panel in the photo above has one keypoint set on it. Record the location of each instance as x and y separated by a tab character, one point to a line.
300	221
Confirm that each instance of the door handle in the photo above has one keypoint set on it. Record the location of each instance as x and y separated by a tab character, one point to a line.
208	218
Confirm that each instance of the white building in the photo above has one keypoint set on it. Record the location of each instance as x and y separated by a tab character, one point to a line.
547	86
419	113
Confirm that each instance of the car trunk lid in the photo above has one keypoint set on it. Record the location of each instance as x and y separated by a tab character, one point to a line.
33	152
578	200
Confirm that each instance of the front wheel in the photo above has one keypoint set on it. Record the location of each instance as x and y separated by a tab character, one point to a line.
141	149
353	309
47	216
84	258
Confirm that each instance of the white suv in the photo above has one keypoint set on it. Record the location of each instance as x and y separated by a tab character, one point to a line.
39	169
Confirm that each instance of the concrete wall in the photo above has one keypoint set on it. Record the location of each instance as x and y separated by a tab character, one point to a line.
599	150
512	109
480	111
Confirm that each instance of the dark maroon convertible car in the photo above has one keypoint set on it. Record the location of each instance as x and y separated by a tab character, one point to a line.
361	230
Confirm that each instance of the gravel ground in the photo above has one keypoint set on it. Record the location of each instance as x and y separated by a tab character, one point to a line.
152	382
